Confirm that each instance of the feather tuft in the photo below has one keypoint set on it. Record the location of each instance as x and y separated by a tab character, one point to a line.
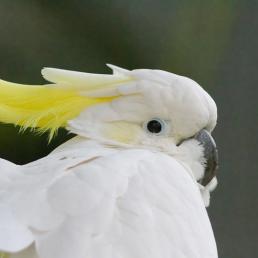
48	107
42	108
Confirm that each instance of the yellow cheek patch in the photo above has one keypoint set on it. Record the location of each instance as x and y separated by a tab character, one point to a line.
123	132
45	107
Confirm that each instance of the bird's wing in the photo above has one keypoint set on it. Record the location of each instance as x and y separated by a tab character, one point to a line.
131	203
23	204
13	235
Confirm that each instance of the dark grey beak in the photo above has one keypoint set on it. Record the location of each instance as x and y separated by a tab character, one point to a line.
210	155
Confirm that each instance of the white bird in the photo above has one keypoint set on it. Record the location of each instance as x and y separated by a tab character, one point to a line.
133	183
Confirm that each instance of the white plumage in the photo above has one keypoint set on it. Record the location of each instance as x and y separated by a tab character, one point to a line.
116	191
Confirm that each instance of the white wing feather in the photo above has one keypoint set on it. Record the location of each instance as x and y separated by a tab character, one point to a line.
104	203
13	235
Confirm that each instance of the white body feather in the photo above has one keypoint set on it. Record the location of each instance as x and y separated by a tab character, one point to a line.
86	200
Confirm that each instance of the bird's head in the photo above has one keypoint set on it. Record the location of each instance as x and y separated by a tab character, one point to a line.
157	110
141	108
149	106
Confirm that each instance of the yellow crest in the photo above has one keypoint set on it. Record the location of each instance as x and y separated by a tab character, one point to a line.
48	107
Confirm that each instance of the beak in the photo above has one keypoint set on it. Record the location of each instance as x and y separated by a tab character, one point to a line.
210	155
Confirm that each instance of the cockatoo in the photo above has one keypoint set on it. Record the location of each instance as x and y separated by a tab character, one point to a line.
133	183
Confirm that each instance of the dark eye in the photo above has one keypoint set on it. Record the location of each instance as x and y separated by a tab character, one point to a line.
155	126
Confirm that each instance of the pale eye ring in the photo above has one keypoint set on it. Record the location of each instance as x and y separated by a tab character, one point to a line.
156	126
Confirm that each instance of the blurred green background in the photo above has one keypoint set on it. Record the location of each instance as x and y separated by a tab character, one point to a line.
213	42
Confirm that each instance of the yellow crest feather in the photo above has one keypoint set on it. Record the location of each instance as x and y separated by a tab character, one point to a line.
44	107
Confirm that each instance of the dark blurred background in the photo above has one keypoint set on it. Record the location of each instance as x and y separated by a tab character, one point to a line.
213	42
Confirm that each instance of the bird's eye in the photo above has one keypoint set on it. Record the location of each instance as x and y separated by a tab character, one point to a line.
155	126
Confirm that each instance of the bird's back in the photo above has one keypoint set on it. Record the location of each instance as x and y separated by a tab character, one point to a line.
89	201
